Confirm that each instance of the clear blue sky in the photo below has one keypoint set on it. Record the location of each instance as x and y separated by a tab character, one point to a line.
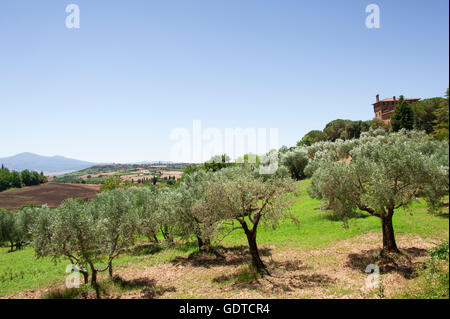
113	90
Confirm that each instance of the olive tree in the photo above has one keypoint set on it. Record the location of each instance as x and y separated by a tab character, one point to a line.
7	228
116	222
146	206
193	215
24	220
168	200
243	196
16	227
71	231
386	172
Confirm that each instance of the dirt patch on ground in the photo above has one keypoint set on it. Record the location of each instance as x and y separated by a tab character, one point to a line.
51	194
337	271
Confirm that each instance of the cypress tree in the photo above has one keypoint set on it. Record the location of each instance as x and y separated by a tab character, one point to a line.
403	116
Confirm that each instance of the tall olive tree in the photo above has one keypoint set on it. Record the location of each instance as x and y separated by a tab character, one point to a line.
70	231
147	209
168	206
386	172
193	213
117	222
241	195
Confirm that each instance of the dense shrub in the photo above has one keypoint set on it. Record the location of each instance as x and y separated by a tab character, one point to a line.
296	161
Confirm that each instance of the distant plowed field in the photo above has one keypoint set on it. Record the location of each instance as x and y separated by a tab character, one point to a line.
51	194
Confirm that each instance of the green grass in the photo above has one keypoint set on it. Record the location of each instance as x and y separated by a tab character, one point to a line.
316	229
165	255
19	270
432	281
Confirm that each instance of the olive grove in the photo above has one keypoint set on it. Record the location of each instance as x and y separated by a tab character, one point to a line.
378	173
384	172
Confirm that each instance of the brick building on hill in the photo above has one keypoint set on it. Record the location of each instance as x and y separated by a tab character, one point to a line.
383	109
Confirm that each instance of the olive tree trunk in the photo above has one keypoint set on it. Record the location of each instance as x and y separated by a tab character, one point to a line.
389	244
253	247
204	244
85	276
256	259
110	268
94	280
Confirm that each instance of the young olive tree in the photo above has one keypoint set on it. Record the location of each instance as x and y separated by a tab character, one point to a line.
24	220
193	215
241	195
167	214
15	227
117	222
146	207
7	228
70	231
386	172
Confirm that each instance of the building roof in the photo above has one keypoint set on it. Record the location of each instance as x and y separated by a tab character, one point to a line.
396	99
392	99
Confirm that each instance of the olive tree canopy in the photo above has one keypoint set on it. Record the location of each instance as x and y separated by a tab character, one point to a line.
385	172
243	196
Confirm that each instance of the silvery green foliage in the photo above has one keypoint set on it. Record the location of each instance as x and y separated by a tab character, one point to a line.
245	199
16	227
193	216
42	231
24	220
302	161
236	192
168	206
7	228
71	231
386	171
117	221
87	233
147	209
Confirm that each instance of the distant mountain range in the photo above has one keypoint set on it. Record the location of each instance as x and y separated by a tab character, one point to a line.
47	164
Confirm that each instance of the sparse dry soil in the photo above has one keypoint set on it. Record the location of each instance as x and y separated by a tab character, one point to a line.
337	271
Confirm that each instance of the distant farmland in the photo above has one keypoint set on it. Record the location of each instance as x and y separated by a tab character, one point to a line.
127	172
51	194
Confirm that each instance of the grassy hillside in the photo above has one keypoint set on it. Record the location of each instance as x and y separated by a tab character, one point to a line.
308	252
